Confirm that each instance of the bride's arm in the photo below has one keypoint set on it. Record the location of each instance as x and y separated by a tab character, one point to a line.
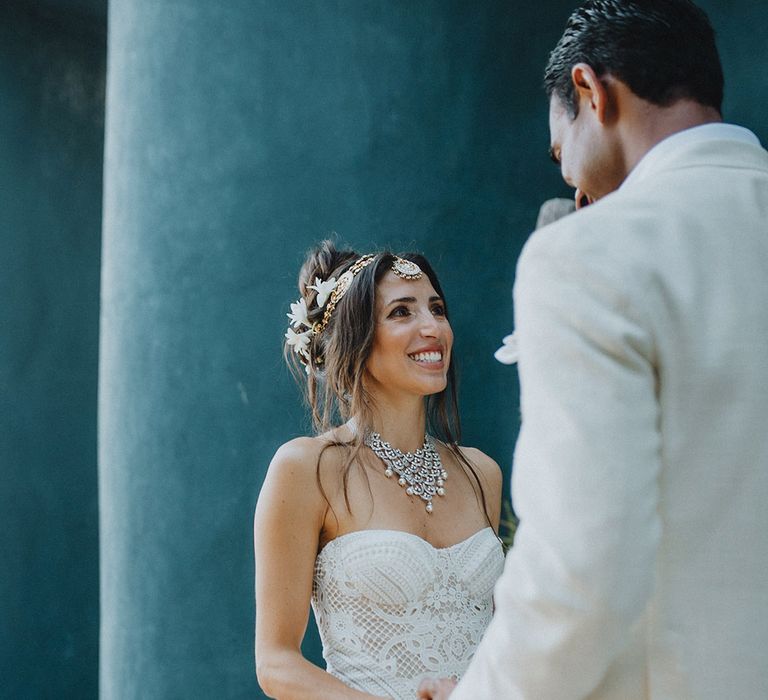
287	523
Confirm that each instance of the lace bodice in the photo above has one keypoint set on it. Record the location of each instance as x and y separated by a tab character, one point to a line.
392	609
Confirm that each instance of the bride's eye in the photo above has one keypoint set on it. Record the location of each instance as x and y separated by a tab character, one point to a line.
438	309
399	312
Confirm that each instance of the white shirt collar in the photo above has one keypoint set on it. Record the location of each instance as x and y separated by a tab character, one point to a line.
717	131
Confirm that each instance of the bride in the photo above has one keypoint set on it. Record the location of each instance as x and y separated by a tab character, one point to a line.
380	522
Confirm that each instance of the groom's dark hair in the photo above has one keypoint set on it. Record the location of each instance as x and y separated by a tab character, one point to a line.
663	50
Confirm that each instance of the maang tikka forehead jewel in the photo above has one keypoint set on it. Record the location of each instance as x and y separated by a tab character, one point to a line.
407	269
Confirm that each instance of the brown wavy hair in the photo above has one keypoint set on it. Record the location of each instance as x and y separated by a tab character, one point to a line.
332	377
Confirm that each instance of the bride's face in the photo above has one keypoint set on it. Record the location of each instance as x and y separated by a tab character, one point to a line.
412	345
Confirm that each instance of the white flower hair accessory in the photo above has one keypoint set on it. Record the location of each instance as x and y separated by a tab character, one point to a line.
507	354
299	314
323	290
299	341
329	293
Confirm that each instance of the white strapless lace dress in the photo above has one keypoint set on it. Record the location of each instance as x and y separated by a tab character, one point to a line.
392	609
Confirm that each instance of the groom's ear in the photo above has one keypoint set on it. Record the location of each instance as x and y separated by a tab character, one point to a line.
592	92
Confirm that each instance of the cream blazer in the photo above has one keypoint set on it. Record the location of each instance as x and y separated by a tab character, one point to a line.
640	569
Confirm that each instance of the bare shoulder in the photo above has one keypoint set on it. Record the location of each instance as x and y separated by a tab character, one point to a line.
487	467
299	449
303	460
299	458
294	455
291	491
489	474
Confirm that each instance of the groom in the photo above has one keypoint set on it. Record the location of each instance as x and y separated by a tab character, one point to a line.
640	568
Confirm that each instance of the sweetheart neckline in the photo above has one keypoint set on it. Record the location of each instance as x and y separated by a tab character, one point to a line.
407	534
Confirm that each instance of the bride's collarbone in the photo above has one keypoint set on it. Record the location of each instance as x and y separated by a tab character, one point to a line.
390	509
361	497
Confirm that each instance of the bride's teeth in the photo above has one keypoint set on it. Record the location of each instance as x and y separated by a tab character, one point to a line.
427	356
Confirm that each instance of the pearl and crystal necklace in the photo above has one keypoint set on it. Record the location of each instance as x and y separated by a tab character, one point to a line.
421	473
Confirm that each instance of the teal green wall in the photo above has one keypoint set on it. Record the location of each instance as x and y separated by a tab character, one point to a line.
742	37
238	134
51	140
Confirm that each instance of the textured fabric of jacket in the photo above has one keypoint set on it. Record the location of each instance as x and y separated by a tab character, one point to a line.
640	569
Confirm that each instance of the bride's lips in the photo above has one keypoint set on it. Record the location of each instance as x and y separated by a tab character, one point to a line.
428	358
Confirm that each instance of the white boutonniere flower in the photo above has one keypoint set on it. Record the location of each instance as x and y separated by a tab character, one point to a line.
299	341
323	289
507	353
299	313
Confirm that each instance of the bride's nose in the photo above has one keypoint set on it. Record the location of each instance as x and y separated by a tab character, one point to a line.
429	327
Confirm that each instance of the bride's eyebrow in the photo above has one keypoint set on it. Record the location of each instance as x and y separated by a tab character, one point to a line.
410	300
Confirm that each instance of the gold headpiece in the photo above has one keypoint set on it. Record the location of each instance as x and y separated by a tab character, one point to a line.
340	290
